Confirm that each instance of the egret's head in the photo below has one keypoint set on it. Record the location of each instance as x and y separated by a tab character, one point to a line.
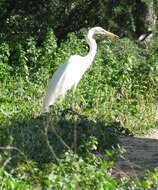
101	31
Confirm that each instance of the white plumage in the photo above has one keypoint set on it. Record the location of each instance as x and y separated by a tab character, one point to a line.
69	74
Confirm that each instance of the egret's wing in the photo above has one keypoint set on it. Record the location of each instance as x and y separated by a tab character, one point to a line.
62	80
51	92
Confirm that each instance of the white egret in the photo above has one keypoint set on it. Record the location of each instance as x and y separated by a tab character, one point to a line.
69	74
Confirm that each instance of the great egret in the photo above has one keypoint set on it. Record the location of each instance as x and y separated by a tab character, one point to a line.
69	74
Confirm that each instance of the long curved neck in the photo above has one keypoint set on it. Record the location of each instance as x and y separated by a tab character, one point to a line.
92	47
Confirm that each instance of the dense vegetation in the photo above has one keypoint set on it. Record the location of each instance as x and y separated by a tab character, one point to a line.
22	18
71	148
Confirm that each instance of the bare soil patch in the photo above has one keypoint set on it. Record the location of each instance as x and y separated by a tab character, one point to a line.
141	153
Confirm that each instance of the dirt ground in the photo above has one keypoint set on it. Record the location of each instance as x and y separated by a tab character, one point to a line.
141	153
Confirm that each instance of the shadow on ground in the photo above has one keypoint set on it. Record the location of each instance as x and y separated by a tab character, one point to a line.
46	137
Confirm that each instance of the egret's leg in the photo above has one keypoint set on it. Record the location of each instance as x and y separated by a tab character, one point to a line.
73	102
75	117
75	106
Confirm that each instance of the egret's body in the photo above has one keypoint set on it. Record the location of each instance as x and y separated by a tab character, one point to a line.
69	74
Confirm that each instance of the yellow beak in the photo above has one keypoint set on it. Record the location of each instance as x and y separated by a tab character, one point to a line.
114	36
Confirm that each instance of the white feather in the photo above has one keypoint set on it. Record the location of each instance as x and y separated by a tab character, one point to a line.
65	78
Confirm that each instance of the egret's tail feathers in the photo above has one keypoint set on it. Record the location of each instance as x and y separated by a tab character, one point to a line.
45	106
47	102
